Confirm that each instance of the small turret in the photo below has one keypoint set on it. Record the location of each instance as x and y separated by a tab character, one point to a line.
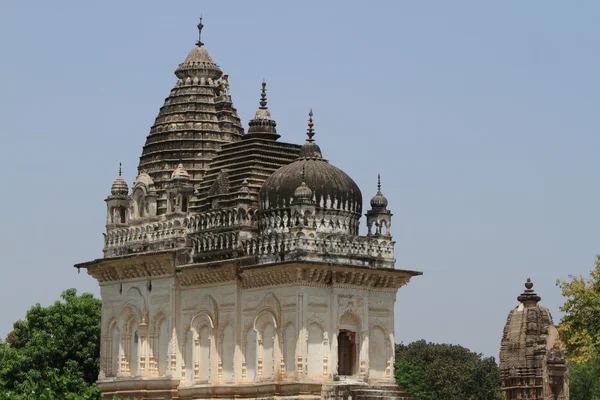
379	217
179	190
117	204
262	125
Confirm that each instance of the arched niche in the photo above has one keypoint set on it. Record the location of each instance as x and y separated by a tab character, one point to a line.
267	351
348	340
378	356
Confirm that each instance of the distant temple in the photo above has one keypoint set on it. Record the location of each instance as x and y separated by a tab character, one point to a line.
233	267
532	364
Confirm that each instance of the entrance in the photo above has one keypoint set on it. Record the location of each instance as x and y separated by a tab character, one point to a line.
346	352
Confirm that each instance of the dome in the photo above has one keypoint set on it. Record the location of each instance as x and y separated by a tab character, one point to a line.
302	194
379	201
332	188
144	178
180	173
119	186
198	63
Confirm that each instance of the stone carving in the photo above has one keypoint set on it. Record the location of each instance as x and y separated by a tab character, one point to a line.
216	215
532	364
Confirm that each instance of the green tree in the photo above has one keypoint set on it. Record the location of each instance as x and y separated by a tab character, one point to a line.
584	380
445	371
580	326
55	351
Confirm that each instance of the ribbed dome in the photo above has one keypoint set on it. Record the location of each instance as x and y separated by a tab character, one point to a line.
119	187
199	64
379	201
332	188
302	194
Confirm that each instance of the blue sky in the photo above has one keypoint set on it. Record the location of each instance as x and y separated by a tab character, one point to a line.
480	116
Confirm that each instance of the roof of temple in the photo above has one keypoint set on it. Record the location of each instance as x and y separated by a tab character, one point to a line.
332	188
240	168
196	119
528	337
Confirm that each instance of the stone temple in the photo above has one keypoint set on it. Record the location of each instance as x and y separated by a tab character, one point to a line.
533	365
234	267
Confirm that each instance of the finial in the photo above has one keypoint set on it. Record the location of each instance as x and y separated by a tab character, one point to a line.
263	95
529	297
378	183
119	169
200	26
310	131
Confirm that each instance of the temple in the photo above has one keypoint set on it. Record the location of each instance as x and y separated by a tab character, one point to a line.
234	266
533	365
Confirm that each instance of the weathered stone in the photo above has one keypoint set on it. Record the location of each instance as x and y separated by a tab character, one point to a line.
533	365
234	268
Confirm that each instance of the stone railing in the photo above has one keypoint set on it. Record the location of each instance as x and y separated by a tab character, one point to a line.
348	249
326	221
144	236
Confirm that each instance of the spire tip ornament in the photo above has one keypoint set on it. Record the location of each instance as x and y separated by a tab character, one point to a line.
200	26
529	297
263	95
310	131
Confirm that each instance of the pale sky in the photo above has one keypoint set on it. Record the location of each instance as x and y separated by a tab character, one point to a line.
482	118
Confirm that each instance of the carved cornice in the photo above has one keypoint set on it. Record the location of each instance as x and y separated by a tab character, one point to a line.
323	275
205	275
131	267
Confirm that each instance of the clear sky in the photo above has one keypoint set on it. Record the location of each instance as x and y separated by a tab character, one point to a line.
482	118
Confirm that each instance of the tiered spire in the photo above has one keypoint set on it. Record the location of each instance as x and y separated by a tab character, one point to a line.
262	126
196	106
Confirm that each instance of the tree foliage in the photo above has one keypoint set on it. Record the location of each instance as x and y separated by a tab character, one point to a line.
580	326
54	352
584	380
445	371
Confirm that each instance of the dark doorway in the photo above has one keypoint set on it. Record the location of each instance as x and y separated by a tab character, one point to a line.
346	352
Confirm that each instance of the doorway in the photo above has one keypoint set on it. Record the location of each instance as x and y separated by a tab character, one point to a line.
346	352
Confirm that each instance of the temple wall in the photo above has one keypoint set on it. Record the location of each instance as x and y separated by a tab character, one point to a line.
224	334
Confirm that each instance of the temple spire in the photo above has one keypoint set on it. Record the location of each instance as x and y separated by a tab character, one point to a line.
262	125
200	26
310	132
